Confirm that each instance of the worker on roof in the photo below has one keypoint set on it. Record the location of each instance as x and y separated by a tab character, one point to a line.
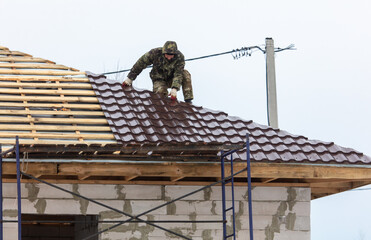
167	71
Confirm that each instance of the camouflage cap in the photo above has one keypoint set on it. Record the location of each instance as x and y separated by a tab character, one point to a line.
170	47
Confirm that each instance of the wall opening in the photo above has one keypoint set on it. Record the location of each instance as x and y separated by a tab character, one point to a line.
66	227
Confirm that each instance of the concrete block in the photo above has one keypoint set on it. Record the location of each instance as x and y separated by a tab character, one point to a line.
262	208
240	193
269	194
62	206
183	226
205	226
200	207
173	192
11	205
302	223
10	231
48	192
186	207
142	192
245	234
259	222
303	194
97	209
10	190
97	191
292	235
139	207
301	208
111	235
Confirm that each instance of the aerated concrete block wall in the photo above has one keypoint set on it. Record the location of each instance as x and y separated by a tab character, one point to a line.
278	212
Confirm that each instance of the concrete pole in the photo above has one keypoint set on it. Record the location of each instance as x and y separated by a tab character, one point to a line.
271	84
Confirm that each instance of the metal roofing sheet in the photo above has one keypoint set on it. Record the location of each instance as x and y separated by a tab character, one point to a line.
140	116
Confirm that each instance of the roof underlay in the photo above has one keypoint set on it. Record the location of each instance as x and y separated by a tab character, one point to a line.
73	129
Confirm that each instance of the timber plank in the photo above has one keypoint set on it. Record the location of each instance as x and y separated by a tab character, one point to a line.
55	128
53	120
35	66
32	168
52	105
38	112
46	85
57	135
49	99
44	78
53	141
40	72
48	92
15	53
25	59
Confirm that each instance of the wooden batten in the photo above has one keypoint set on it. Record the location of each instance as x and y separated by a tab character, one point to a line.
46	103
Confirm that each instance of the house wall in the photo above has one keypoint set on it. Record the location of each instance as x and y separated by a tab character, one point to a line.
278	212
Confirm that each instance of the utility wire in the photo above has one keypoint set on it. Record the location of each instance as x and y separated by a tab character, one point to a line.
236	53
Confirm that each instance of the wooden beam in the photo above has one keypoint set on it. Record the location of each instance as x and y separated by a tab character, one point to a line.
57	135
35	169
129	178
45	78
15	53
24	59
35	66
47	85
49	99
267	180
175	179
53	120
52	105
40	112
312	171
55	141
55	128
48	92
83	177
40	72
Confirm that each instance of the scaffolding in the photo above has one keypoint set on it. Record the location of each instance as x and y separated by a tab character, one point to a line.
223	182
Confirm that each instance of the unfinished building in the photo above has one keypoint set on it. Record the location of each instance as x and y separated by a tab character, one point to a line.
132	150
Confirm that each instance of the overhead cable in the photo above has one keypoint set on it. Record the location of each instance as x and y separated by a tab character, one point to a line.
236	54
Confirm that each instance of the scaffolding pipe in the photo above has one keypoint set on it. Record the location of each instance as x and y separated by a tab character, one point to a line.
103	205
1	193
18	188
174	200
249	185
233	206
223	197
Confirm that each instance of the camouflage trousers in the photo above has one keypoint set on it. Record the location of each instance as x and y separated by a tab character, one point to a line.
161	86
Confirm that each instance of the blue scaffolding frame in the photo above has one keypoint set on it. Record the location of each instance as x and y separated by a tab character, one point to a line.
224	181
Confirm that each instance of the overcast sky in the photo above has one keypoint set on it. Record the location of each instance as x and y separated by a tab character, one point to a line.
323	87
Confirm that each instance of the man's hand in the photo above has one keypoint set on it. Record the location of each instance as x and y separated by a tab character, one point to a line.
127	82
173	93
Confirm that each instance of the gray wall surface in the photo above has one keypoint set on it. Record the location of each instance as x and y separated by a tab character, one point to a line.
278	212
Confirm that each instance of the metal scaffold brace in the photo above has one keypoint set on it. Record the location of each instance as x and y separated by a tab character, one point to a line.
132	218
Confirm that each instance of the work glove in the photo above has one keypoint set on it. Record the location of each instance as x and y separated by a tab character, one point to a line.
173	93
127	82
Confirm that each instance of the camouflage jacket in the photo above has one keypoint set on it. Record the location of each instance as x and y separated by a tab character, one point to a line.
171	71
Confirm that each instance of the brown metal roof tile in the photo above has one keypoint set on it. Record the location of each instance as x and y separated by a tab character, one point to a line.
141	117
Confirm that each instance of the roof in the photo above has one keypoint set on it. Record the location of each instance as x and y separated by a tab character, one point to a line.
140	116
47	103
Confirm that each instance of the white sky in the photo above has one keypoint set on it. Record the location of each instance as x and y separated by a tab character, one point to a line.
323	87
